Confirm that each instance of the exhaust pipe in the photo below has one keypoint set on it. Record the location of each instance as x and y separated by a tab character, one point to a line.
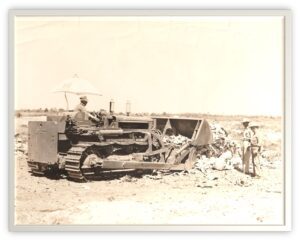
128	107
111	107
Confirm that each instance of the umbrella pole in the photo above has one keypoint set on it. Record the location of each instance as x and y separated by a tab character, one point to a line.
67	101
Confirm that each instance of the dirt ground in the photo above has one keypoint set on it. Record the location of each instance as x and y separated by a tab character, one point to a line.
217	197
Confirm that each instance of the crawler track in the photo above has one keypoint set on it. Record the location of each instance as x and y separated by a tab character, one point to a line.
73	164
77	154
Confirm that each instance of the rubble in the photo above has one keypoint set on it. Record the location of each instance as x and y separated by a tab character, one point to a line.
218	132
222	141
178	140
20	146
127	178
225	162
157	177
221	155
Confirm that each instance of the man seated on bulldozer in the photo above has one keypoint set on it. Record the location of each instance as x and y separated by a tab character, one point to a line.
81	113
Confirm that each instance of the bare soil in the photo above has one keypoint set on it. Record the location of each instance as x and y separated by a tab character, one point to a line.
218	197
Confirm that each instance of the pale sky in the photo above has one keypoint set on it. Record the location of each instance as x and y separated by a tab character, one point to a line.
217	65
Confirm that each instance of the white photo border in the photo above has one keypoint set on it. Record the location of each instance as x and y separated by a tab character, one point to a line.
287	123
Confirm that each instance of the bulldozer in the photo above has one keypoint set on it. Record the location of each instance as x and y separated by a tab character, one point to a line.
85	150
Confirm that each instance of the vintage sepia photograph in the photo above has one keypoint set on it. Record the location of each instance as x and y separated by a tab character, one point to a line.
147	119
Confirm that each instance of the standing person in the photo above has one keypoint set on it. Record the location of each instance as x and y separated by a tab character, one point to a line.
81	111
255	150
246	152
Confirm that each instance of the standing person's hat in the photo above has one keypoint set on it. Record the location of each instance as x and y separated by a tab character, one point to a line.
84	98
245	120
253	124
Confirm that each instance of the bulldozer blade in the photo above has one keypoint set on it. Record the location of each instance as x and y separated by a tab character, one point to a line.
198	130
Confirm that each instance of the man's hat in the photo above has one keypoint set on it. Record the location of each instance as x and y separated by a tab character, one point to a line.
253	124
245	120
83	98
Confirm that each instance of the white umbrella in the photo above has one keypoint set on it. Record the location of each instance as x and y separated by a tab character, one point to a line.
76	86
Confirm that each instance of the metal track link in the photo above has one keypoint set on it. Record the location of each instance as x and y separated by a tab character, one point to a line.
72	164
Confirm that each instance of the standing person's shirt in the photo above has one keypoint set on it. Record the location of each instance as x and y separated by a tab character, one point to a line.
247	134
255	140
255	143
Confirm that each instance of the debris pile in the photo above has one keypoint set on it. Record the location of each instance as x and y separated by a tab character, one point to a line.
218	132
20	145
220	155
178	140
128	178
221	141
225	162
